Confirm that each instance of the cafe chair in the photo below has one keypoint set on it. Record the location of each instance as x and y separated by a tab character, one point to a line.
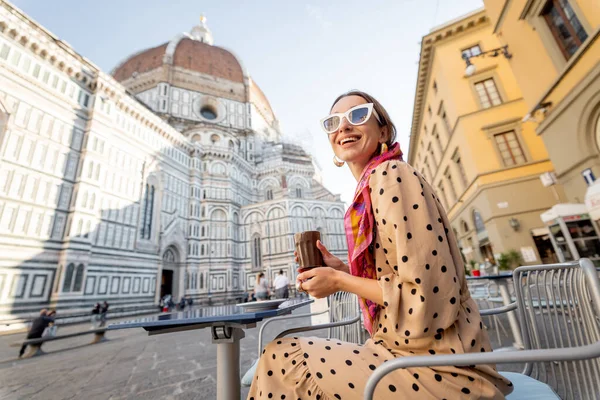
481	292
344	324
562	343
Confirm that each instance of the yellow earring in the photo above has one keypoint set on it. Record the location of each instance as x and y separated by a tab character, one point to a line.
384	148
338	163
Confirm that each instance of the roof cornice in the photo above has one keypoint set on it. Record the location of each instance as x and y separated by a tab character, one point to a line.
438	35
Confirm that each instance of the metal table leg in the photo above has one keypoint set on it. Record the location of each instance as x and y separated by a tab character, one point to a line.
512	318
227	339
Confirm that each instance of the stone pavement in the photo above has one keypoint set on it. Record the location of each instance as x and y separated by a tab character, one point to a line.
131	365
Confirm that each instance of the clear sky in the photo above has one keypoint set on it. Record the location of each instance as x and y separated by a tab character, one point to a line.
302	54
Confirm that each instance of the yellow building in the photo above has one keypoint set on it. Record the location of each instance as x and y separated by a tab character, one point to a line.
470	143
556	62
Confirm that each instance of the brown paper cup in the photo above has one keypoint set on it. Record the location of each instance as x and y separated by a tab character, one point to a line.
309	256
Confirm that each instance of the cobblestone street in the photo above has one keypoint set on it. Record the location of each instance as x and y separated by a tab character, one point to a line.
131	365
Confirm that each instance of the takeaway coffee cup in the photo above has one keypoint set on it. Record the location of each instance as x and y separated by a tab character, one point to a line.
309	256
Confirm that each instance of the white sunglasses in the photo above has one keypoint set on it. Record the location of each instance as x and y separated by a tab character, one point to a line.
357	115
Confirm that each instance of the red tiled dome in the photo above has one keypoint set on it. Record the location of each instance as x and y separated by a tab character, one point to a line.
189	54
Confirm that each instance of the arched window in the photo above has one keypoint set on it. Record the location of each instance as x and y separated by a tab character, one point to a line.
299	193
169	256
269	194
187	280
68	278
59	271
148	204
478	222
77	286
256	252
201	281
464	226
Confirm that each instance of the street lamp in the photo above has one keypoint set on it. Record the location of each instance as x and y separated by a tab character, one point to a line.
470	70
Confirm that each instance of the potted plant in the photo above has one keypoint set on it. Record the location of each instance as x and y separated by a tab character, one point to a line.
474	268
509	260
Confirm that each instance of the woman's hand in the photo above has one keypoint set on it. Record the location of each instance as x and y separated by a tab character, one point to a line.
319	282
329	259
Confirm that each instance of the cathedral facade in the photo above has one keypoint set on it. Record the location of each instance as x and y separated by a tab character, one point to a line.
168	176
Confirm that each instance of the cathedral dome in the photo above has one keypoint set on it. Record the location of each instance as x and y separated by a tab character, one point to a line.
192	51
190	80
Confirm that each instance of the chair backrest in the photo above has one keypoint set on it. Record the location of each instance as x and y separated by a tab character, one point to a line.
343	306
558	308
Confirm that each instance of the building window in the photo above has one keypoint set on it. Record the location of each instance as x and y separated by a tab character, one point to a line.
269	194
471	51
488	93
68	278
78	284
565	26
146	231
429	110
444	117
461	167
438	142
509	148
435	87
464	225
431	153
299	193
478	222
428	170
451	188
442	195
256	253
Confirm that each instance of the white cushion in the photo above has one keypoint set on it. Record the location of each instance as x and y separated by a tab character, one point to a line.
525	387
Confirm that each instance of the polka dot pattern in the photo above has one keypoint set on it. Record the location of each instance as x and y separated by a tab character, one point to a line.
427	305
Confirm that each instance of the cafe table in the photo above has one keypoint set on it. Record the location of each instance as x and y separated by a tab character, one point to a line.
502	280
227	324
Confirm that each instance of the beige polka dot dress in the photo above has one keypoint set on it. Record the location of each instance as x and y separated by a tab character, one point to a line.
427	310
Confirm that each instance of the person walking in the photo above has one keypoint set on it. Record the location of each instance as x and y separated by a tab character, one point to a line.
38	326
281	285
406	270
96	315
103	312
261	290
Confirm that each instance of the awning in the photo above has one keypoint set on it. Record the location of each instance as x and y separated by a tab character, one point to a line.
563	210
592	200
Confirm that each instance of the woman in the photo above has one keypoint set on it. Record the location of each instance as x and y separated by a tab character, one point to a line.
407	271
261	290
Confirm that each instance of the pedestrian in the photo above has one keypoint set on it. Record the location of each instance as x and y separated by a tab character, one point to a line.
37	327
51	330
103	312
96	316
281	285
261	290
182	303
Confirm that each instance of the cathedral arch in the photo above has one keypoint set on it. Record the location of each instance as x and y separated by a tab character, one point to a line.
254	216
299	211
318	211
275	212
298	181
218	214
268	182
218	168
335	212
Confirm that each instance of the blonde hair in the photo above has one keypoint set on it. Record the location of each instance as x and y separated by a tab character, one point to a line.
384	117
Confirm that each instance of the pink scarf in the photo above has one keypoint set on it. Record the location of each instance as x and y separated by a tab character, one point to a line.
359	223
